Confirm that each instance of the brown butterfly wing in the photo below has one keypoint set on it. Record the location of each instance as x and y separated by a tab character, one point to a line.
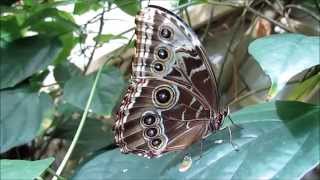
172	96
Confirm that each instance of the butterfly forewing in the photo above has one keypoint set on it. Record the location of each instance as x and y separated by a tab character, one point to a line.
172	96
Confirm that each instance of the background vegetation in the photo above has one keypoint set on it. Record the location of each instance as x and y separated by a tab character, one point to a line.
265	53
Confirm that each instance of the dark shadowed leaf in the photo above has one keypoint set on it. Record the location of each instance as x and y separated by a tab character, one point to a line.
108	91
285	55
277	140
131	7
65	71
22	111
24	57
23	170
95	135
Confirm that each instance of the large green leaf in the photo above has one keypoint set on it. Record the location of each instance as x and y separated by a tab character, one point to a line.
22	111
108	91
285	55
131	7
278	140
24	57
23	170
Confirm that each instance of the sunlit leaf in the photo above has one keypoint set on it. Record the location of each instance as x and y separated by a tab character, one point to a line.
83	6
23	170
24	57
22	111
278	140
108	91
105	38
304	89
285	55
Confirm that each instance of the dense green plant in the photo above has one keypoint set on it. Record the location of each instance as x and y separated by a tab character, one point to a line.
275	140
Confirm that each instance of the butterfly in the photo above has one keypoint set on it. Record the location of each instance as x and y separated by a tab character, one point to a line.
172	100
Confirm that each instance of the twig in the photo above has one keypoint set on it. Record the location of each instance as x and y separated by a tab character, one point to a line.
97	40
267	18
204	35
301	8
188	17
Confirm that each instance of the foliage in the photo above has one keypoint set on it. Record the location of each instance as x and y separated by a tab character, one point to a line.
37	39
296	133
289	54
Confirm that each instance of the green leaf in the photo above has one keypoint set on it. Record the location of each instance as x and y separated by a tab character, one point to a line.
51	22
24	57
131	7
9	31
95	135
23	170
83	6
65	71
22	111
108	91
285	55
278	140
105	38
68	42
304	89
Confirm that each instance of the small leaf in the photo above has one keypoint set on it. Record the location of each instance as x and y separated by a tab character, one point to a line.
22	111
105	38
83	6
108	91
65	71
23	170
304	89
278	140
285	55
24	57
131	7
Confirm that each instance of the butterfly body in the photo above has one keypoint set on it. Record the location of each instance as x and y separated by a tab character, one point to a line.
172	99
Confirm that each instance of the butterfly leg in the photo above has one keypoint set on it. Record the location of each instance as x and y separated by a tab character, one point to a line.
234	145
233	123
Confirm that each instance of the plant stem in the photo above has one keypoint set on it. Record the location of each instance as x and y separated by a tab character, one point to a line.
97	41
80	127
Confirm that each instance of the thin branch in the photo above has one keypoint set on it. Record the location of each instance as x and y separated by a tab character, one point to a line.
301	8
267	18
204	35
97	40
188	17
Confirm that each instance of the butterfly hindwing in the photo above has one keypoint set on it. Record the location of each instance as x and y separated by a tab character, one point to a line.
172	95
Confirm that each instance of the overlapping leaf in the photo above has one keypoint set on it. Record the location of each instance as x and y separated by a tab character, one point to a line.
285	55
22	111
108	90
24	57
